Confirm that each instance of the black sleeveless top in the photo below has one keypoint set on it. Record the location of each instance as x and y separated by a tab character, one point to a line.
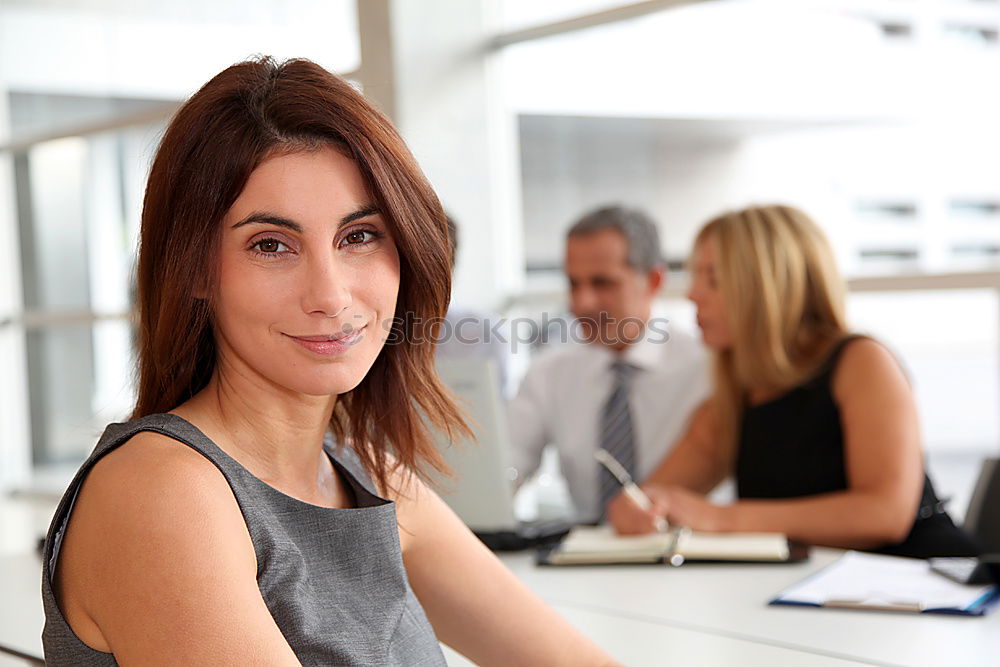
793	446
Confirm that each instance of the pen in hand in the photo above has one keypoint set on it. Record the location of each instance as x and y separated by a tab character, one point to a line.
630	488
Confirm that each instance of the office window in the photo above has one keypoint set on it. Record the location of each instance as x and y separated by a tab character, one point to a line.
976	251
887	211
971	35
975	209
897	31
77	246
884	256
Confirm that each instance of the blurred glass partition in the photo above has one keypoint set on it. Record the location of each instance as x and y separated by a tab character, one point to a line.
76	254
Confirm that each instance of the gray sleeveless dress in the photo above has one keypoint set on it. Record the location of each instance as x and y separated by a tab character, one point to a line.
333	579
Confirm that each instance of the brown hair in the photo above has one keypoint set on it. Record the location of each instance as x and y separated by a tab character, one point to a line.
245	114
784	301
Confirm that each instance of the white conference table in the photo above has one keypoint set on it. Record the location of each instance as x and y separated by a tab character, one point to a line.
729	602
641	643
658	615
633	641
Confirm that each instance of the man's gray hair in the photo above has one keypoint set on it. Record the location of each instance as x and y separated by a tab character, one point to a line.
639	230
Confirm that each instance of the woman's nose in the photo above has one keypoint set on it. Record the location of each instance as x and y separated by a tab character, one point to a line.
693	294
327	289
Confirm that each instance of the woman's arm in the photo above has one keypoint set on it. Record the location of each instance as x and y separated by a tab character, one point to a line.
698	461
883	459
475	604
157	565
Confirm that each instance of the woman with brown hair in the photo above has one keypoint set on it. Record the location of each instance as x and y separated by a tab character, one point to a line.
288	242
817	426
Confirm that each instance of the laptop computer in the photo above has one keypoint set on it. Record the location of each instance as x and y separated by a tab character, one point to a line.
481	492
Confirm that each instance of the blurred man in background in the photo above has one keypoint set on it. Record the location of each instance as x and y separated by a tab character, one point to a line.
628	383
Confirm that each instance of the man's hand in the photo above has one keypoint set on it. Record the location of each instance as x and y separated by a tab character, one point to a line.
680	506
627	518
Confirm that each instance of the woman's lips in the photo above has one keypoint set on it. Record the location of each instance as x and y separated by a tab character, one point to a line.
329	346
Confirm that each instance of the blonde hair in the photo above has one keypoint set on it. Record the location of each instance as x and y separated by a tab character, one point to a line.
784	303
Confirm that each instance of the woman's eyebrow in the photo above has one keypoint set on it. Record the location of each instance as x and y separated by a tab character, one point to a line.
265	218
269	219
363	212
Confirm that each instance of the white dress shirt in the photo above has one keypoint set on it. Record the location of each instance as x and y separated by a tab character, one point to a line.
564	391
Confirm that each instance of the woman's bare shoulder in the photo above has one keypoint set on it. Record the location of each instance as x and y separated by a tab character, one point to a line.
865	363
154	520
156	469
153	495
155	490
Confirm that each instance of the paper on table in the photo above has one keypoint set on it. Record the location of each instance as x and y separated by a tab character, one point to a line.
882	581
732	546
602	539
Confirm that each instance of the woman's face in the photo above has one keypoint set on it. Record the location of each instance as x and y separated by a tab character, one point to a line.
707	297
308	276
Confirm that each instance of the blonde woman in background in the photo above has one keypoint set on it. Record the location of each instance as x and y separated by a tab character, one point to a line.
817	425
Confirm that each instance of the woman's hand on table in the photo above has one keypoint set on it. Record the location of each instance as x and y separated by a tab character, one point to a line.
680	506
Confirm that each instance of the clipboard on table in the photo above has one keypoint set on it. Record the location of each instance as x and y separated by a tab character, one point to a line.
875	582
599	545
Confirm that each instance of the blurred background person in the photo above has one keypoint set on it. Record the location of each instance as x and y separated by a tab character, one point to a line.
629	381
818	425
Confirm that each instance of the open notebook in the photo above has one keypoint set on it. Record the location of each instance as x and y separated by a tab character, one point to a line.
599	545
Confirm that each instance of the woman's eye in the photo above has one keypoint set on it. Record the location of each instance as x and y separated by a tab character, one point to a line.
269	246
359	237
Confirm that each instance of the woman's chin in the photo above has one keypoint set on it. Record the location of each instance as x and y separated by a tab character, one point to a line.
712	341
718	345
327	384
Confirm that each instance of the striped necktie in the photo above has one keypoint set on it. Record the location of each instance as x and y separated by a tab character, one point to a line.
616	433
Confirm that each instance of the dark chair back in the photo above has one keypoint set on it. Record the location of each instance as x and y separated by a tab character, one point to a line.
982	519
